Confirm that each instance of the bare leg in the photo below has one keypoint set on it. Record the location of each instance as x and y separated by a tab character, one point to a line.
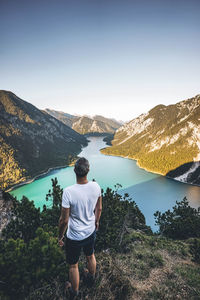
91	264
74	276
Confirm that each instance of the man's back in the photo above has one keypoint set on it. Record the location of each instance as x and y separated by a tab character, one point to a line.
82	199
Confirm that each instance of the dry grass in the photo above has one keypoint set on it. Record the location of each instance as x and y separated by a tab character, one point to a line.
163	271
153	268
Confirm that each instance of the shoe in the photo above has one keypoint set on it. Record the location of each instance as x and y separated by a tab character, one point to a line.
70	292
88	278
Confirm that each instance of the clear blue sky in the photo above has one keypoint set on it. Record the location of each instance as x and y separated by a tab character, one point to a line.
109	57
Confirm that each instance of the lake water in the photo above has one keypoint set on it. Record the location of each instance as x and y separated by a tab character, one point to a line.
151	192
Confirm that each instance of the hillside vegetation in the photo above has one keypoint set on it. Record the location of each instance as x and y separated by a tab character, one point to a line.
132	262
32	141
164	139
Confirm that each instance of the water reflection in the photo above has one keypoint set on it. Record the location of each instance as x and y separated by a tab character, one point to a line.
161	194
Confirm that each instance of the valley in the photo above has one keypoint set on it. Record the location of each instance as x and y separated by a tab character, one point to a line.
164	141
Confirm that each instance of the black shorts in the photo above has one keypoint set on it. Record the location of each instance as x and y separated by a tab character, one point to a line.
73	248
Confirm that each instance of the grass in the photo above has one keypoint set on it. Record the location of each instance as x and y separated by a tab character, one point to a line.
183	282
191	275
147	267
144	268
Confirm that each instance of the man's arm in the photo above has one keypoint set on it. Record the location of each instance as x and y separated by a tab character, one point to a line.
63	222
98	210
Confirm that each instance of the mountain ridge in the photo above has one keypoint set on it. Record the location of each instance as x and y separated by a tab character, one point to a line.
86	124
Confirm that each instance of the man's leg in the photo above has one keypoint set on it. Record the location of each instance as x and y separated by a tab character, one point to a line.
74	276
91	264
73	251
88	250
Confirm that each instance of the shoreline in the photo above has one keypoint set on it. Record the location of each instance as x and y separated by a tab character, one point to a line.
44	173
137	163
37	177
15	186
149	171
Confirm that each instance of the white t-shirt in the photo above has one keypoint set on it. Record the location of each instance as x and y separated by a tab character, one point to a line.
82	199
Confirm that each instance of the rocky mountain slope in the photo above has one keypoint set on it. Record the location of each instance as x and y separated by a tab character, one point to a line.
166	140
85	124
32	141
67	119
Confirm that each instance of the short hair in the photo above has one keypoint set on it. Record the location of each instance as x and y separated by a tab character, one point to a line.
81	167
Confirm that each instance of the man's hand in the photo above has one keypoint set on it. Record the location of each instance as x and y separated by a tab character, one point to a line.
61	243
98	210
97	225
63	221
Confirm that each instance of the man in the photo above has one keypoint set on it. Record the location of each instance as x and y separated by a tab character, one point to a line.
81	211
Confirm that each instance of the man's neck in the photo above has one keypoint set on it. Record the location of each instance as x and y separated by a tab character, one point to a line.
81	180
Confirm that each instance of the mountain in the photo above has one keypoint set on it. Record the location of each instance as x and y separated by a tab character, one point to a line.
32	141
86	124
166	140
112	122
67	119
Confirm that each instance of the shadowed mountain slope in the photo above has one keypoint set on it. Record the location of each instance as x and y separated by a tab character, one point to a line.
32	141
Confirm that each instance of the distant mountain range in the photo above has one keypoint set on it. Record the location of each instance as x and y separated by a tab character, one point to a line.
67	119
166	140
32	141
85	124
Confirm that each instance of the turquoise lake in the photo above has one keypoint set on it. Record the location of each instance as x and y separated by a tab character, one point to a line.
151	192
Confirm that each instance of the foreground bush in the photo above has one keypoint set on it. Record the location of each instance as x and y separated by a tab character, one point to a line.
30	258
181	223
119	216
25	266
195	250
25	220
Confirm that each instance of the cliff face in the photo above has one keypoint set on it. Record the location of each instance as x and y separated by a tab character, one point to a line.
32	141
84	124
166	140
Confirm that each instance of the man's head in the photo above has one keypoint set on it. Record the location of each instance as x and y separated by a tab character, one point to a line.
81	167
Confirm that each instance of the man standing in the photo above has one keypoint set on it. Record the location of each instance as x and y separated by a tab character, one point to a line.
81	211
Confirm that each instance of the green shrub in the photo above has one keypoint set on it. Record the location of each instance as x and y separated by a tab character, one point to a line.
26	266
118	214
195	250
25	221
182	223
